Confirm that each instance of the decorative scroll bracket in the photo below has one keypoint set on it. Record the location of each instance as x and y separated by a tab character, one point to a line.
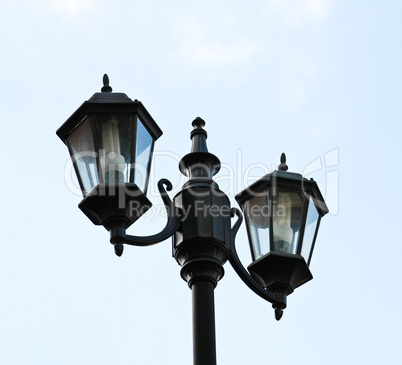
118	235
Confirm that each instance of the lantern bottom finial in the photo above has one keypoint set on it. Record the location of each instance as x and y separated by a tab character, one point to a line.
278	313
118	249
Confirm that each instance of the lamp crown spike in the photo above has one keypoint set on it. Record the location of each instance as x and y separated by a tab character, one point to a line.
283	166
106	87
199	163
198	123
199	136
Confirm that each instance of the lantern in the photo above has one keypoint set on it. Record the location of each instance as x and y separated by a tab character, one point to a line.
110	139
282	212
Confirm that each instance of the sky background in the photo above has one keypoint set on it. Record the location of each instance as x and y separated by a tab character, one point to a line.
319	80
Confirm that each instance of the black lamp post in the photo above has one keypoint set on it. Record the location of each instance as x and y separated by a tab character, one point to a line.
111	139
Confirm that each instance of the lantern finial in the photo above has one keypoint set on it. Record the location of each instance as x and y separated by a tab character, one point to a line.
106	88
283	166
118	249
278	313
198	123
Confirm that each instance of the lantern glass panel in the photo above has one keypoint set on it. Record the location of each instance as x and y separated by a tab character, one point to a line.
143	150
309	231
257	217
115	134
81	146
111	148
286	219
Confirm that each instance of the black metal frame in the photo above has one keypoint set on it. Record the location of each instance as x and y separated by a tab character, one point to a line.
202	243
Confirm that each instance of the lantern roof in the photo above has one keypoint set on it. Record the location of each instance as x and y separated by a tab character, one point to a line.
108	102
287	180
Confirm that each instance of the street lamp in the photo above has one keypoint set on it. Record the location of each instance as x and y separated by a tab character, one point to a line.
283	212
110	139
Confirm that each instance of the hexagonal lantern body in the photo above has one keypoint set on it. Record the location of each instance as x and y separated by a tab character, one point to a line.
110	139
282	212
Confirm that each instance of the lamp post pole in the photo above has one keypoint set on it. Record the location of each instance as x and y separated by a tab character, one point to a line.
204	344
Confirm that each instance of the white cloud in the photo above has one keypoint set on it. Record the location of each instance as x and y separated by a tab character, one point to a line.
296	12
72	7
221	38
212	42
208	52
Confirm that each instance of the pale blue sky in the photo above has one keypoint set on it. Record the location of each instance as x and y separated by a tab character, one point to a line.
319	80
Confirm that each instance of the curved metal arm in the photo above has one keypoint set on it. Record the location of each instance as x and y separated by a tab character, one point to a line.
118	236
238	266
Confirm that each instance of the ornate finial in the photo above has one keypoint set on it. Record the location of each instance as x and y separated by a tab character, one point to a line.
198	122
118	249
283	166
278	313
106	88
199	163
